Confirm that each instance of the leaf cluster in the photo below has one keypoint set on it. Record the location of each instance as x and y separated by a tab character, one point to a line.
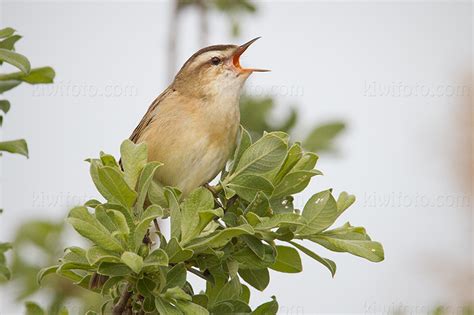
230	235
8	81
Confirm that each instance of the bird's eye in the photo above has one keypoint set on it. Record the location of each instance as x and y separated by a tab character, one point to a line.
215	61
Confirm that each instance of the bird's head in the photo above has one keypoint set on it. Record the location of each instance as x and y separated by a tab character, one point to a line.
214	70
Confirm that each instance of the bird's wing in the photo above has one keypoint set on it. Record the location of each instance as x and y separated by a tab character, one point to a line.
149	116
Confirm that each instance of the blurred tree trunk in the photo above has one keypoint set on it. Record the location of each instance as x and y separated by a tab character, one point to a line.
173	39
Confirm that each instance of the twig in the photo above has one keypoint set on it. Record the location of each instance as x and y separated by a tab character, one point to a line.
173	38
119	308
215	194
203	26
197	273
157	226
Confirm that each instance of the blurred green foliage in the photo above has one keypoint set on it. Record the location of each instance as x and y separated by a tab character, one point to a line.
8	81
37	243
256	117
231	8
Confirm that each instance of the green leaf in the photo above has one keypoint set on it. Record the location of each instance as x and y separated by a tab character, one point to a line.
9	43
133	261
158	257
114	269
257	278
294	183
115	184
8	85
262	156
120	222
164	307
321	137
5	247
95	164
151	213
260	205
287	260
344	201
105	219
249	260
144	182
189	308
97	255
176	253
255	244
33	309
6	32
15	59
320	212
231	307
176	276
244	143
119	208
229	291
269	308
328	263
76	255
198	200
248	185
175	213
228	193
110	283
307	162
63	311
145	286
44	272
88	226
108	160
352	240
280	219
221	237
252	219
42	75
4	106
15	146
134	158
176	293
293	155
5	273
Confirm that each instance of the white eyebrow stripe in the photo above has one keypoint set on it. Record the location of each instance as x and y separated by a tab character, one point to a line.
207	56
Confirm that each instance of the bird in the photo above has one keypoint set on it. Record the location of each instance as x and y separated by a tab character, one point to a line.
192	126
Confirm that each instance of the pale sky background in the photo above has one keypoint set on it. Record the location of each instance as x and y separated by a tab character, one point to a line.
406	155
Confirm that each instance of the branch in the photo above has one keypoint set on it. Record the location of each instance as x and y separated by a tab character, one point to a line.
197	273
119	308
173	39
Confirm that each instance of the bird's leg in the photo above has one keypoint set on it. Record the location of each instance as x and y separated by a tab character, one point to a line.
231	201
211	189
215	194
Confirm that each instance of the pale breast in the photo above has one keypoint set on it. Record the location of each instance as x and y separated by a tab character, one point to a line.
193	138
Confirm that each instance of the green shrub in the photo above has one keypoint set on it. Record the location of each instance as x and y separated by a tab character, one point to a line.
229	235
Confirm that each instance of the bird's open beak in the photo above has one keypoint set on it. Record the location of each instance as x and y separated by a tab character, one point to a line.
236	58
